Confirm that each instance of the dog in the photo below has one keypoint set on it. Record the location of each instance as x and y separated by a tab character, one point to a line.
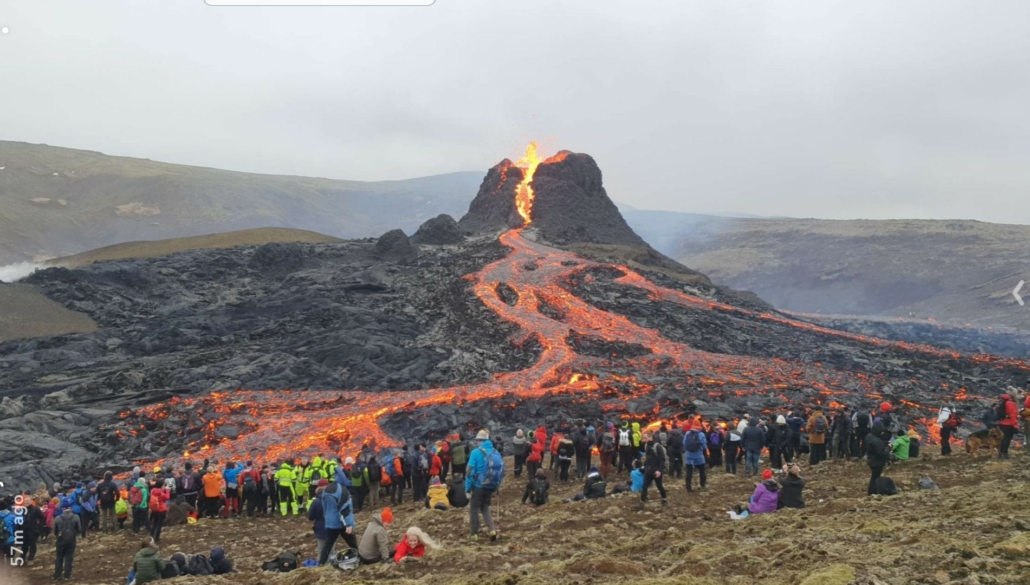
984	438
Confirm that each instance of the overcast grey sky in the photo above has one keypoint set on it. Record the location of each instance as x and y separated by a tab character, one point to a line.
832	109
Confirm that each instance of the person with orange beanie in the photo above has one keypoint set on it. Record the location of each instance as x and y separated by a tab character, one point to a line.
375	542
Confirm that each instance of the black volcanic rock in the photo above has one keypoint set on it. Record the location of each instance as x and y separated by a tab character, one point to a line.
437	231
493	209
571	205
395	246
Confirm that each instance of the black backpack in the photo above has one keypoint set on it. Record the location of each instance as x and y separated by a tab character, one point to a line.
357	471
539	494
106	493
820	426
199	565
584	441
284	563
693	441
607	443
249	485
884	486
375	472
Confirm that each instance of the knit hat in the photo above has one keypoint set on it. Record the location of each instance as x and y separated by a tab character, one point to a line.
92	485
157	469
541	473
885	407
78	485
322	483
608	425
767	475
520	434
348	461
436	481
483	435
912	433
625	424
781	420
593	469
386	515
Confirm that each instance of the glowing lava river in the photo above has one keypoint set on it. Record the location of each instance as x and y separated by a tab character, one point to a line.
274	424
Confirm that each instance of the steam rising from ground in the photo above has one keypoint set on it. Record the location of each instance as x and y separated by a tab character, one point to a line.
16	272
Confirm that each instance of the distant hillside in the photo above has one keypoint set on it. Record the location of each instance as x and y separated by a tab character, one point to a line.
58	201
961	271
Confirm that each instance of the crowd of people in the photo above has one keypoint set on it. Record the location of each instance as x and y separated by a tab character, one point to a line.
459	472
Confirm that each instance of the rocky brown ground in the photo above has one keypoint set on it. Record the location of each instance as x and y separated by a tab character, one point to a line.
975	529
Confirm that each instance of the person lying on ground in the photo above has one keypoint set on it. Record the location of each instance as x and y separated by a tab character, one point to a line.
413	546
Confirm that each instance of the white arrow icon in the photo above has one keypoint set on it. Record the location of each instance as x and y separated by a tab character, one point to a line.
1015	293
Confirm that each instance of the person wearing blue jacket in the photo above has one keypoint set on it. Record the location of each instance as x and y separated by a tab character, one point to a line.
9	520
231	475
480	497
694	438
89	516
338	513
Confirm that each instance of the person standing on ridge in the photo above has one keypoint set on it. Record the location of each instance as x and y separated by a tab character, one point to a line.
754	441
520	450
66	533
693	446
484	477
284	479
656	461
817	428
1008	423
841	434
877	453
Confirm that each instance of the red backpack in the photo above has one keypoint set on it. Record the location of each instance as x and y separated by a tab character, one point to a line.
135	496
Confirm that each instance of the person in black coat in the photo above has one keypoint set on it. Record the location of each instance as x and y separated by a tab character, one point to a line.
791	486
784	440
877	452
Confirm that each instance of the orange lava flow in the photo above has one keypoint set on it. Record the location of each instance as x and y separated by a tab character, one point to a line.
269	426
524	192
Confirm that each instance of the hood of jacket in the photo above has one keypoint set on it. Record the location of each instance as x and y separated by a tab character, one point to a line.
753	422
140	483
217	553
487	446
771	485
636	427
286	466
148	552
816	414
878	429
518	440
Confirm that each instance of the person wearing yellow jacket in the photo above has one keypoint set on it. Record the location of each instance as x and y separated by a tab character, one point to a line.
284	478
437	498
314	472
636	436
300	486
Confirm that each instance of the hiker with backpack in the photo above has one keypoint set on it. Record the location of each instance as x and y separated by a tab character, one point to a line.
627	451
693	446
877	453
459	456
358	475
139	501
338	512
716	438
842	429
656	462
188	485
420	473
375	541
555	462
817	428
948	420
485	474
33	527
66	532
1008	422
317	516
107	495
158	511
230	477
375	480
250	487
537	489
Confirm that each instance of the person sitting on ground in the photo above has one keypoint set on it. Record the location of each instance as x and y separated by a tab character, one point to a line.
413	546
791	485
456	495
765	498
913	444
537	489
594	488
148	564
175	564
375	542
636	481
899	449
221	564
437	496
178	511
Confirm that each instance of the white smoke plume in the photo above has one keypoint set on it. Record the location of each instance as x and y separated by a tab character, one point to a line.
18	271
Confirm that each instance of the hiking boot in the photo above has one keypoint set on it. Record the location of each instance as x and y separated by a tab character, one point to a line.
639	506
665	503
493	535
474	538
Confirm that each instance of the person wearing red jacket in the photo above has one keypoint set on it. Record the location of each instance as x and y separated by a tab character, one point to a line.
535	459
435	464
158	511
1009	424
541	435
413	545
445	459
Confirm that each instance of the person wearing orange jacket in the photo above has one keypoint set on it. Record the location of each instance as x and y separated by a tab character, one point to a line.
1025	415
1008	424
213	486
435	463
553	465
535	459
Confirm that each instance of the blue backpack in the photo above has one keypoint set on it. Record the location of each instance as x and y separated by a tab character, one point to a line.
493	474
715	438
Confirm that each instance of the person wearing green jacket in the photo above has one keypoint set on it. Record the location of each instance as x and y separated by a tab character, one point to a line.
284	478
300	486
312	474
148	563
900	447
139	499
636	436
359	484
